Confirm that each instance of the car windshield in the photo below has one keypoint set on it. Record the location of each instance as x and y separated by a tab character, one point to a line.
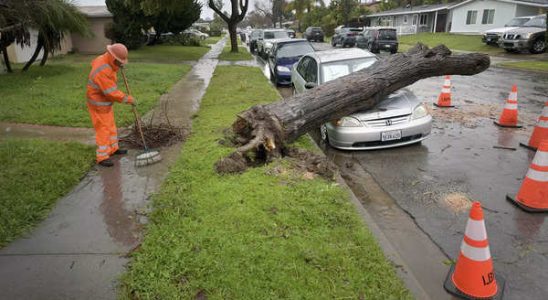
536	22
387	34
516	22
275	34
255	34
293	50
336	69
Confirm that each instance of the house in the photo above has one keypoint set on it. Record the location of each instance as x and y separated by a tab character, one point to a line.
99	18
413	19
476	16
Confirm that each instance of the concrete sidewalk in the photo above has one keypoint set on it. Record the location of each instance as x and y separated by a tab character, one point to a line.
79	251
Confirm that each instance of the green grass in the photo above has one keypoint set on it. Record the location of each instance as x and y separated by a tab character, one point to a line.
35	173
243	54
264	234
540	66
452	41
167	54
213	39
55	94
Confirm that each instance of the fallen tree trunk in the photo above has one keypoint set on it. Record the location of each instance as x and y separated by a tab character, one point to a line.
261	132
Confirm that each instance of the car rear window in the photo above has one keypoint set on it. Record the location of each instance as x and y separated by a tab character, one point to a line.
275	34
294	49
387	34
336	69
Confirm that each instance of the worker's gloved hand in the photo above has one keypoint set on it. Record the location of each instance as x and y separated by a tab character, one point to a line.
131	101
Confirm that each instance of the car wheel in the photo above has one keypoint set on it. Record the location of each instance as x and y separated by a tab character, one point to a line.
538	46
333	43
321	41
323	134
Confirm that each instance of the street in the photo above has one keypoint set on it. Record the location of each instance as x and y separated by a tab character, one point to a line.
436	181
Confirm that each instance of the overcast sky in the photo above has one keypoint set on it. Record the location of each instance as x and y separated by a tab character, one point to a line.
206	11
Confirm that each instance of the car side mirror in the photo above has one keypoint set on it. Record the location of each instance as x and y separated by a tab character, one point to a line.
310	85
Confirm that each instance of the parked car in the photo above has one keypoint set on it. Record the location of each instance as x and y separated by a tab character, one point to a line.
400	119
291	33
376	39
529	37
345	36
314	34
492	36
265	40
285	53
253	38
196	33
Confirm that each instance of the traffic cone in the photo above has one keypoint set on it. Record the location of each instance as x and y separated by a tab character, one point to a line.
533	194
541	130
473	277
444	99
509	116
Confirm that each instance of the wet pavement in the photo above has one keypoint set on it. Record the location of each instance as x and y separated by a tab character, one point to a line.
431	185
79	251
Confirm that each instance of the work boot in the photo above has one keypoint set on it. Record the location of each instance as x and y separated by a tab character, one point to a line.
120	152
106	163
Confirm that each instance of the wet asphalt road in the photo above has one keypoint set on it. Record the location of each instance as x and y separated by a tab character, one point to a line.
435	181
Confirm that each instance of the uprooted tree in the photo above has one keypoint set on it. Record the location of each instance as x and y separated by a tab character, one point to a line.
262	132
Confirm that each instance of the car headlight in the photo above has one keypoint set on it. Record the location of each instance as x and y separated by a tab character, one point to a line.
420	111
268	44
527	35
283	69
348	122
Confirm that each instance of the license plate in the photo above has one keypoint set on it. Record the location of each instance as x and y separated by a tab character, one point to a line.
390	135
387	46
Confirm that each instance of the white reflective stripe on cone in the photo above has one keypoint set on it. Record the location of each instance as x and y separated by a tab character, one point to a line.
537	175
447	82
542	123
513	96
545	111
474	253
475	230
541	159
512	106
446	90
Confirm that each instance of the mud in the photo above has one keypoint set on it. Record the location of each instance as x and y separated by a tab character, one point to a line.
82	135
80	250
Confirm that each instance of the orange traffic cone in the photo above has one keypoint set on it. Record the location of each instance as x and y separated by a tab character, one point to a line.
444	99
473	277
509	116
541	130
533	194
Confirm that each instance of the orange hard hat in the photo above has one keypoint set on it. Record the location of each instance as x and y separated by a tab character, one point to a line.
119	51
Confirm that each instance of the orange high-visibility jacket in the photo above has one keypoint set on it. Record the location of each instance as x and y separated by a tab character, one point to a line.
101	88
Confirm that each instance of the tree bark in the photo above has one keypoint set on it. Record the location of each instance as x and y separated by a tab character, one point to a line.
39	46
6	59
45	56
263	130
233	37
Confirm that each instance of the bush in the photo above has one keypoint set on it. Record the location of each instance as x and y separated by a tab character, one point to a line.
181	39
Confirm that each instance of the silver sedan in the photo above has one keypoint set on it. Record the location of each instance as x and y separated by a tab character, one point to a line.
400	119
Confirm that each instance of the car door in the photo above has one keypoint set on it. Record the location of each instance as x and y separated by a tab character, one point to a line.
299	73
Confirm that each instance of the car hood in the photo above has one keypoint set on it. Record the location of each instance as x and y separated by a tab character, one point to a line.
501	30
401	102
522	30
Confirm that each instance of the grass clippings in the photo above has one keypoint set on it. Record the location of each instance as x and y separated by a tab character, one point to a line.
272	232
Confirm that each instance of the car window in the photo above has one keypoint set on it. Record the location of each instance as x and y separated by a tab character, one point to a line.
301	68
536	22
294	49
516	22
334	70
387	34
311	71
255	34
275	34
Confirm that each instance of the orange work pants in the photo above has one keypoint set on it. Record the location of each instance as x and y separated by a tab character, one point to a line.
106	134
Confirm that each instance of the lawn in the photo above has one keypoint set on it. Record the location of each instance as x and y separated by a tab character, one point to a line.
269	233
213	39
541	66
55	94
167	54
243	54
35	173
452	41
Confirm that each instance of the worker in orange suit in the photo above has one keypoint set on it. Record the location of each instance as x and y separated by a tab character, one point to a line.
102	92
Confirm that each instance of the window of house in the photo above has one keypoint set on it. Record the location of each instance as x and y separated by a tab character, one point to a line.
423	20
488	16
405	19
471	17
415	17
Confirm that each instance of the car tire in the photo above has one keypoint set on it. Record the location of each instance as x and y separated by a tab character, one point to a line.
323	134
538	46
333	43
321	41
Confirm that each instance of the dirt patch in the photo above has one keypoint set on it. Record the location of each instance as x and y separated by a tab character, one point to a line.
468	115
457	202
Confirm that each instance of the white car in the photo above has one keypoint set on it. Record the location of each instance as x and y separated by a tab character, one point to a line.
196	33
492	36
400	119
265	41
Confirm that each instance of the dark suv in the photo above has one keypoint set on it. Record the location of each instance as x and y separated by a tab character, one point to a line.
314	34
345	36
377	39
529	37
